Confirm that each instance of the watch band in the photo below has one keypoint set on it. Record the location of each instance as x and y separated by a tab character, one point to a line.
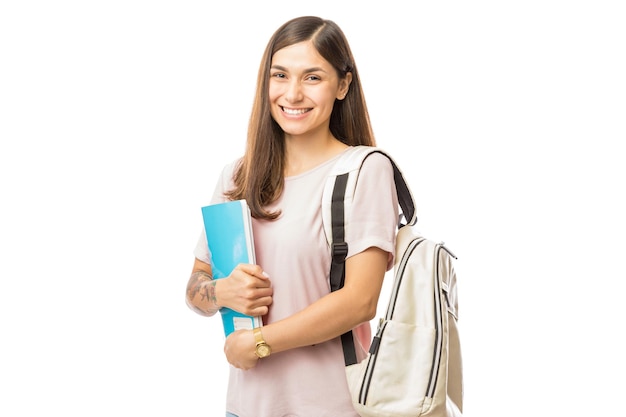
261	349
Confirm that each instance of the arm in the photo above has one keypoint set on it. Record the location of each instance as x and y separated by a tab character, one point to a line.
200	295
327	318
337	312
247	289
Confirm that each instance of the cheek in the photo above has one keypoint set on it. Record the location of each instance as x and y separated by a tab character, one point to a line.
274	91
326	98
272	96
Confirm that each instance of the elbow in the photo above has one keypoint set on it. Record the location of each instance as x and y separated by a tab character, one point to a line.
366	311
198	294
194	308
361	306
197	308
370	312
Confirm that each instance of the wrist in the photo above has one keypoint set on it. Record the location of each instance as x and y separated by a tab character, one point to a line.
212	293
261	348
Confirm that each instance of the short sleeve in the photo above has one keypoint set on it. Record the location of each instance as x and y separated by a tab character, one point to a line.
373	221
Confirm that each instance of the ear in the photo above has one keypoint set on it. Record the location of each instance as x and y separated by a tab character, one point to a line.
344	86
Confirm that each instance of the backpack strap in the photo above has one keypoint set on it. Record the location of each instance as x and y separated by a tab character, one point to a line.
336	208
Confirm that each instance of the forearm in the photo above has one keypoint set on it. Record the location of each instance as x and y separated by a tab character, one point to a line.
200	295
323	320
337	312
327	318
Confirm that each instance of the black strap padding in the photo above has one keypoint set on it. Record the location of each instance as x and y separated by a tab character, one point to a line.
404	195
339	249
405	200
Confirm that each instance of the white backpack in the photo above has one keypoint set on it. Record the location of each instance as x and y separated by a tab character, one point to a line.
414	365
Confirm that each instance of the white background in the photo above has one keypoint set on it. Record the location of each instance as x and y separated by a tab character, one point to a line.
508	119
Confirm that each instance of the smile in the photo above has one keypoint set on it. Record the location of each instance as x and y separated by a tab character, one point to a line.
294	112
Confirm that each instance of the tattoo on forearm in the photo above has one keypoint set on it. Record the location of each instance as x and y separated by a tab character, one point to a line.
201	284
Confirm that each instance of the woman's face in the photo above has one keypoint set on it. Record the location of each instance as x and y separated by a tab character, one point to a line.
303	88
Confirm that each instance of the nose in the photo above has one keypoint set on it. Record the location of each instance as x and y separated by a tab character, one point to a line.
294	92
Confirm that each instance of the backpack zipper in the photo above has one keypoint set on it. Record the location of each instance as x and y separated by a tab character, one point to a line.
400	274
434	374
371	363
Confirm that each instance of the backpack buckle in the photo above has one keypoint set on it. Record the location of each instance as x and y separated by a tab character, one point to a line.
339	251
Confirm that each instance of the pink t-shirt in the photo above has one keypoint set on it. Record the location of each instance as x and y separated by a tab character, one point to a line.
308	381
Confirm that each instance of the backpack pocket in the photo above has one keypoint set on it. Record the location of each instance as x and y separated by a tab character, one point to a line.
395	375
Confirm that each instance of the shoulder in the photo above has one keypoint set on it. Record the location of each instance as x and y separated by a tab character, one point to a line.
378	159
377	162
376	172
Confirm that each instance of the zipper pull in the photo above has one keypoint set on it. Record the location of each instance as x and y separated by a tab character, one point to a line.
374	345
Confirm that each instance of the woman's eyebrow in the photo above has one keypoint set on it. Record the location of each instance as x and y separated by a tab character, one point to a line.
312	69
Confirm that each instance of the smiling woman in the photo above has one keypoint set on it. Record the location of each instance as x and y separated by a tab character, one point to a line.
303	90
309	109
320	45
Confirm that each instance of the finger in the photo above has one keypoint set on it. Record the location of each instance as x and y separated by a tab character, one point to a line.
263	283
254	270
262	302
264	292
259	311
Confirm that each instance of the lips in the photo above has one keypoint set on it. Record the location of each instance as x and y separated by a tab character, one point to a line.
295	112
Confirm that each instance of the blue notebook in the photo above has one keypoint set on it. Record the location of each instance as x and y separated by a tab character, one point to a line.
228	229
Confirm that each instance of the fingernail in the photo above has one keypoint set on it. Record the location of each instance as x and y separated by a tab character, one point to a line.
265	274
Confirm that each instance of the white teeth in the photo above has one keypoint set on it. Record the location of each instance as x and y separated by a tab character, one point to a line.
294	112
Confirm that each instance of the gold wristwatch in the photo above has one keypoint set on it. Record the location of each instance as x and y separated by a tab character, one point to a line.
262	350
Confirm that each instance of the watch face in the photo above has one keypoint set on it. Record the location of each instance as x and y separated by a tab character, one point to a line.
262	351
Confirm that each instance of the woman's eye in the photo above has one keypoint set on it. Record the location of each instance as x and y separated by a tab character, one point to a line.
313	78
278	75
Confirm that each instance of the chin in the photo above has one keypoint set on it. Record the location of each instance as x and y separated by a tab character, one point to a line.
289	129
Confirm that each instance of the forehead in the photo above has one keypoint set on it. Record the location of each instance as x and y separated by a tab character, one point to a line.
300	55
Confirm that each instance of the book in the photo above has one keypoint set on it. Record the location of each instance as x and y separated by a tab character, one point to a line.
228	229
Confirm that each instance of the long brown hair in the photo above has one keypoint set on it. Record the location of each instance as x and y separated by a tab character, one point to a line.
259	178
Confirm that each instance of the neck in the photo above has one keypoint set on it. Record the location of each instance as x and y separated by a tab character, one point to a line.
303	154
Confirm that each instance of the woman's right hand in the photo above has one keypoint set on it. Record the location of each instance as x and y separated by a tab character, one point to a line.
247	290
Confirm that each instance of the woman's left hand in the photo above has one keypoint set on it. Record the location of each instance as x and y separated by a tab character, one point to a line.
239	349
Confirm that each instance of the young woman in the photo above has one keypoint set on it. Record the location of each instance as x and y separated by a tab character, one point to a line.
309	108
